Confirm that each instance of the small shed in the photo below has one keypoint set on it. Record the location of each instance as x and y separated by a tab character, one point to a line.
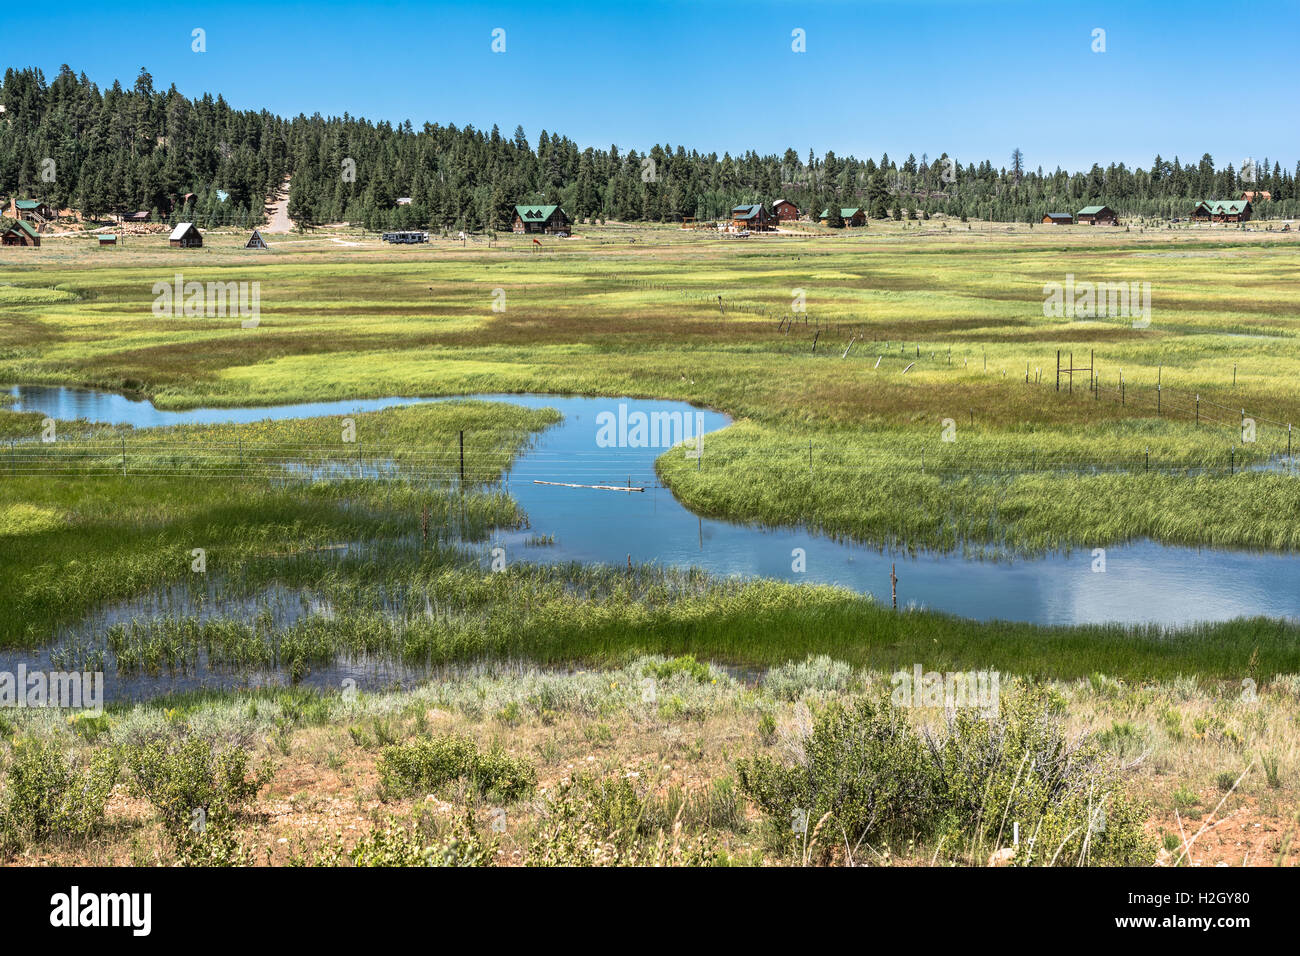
1058	219
107	238
255	241
1097	216
185	236
21	233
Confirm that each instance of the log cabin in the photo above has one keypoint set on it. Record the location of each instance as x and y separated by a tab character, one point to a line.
753	217
1097	216
185	236
550	220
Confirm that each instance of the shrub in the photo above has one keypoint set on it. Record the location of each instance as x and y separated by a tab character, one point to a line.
814	676
865	774
45	793
433	763
686	664
864	770
399	844
572	832
190	776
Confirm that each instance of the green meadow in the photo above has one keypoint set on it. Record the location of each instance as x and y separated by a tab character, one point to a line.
841	413
921	370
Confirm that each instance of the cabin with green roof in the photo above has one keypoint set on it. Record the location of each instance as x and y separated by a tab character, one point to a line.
852	216
21	233
1097	216
544	219
30	210
753	217
1223	210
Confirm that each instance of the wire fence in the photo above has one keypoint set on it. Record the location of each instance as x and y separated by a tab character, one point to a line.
614	466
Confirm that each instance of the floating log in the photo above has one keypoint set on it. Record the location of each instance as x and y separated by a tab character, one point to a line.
570	484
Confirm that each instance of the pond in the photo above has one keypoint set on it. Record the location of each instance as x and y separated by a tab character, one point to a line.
594	445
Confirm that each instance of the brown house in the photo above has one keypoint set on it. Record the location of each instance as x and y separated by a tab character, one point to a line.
1097	216
545	219
1219	210
1262	196
754	217
30	210
21	233
1058	219
785	210
186	236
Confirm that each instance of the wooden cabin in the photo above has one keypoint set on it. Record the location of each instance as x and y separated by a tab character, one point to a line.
30	210
1221	210
185	236
107	238
21	233
1097	216
852	215
140	215
255	241
1058	219
1262	196
754	217
550	220
785	210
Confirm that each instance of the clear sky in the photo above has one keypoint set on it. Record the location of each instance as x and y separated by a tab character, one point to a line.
1178	77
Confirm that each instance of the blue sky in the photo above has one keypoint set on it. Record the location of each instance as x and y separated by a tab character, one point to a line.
975	79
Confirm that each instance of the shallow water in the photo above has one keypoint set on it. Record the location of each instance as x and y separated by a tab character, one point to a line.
1143	581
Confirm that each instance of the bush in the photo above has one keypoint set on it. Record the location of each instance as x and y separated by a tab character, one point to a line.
45	793
192	776
813	676
865	774
575	831
686	664
864	770
434	763
1021	767
398	844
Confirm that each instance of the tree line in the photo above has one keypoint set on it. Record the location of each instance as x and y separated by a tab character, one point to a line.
124	150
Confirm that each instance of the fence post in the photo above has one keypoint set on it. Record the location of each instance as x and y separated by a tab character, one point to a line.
462	454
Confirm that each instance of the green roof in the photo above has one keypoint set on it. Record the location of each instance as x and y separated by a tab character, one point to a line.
746	212
845	213
26	227
535	213
1090	210
27	203
1220	207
